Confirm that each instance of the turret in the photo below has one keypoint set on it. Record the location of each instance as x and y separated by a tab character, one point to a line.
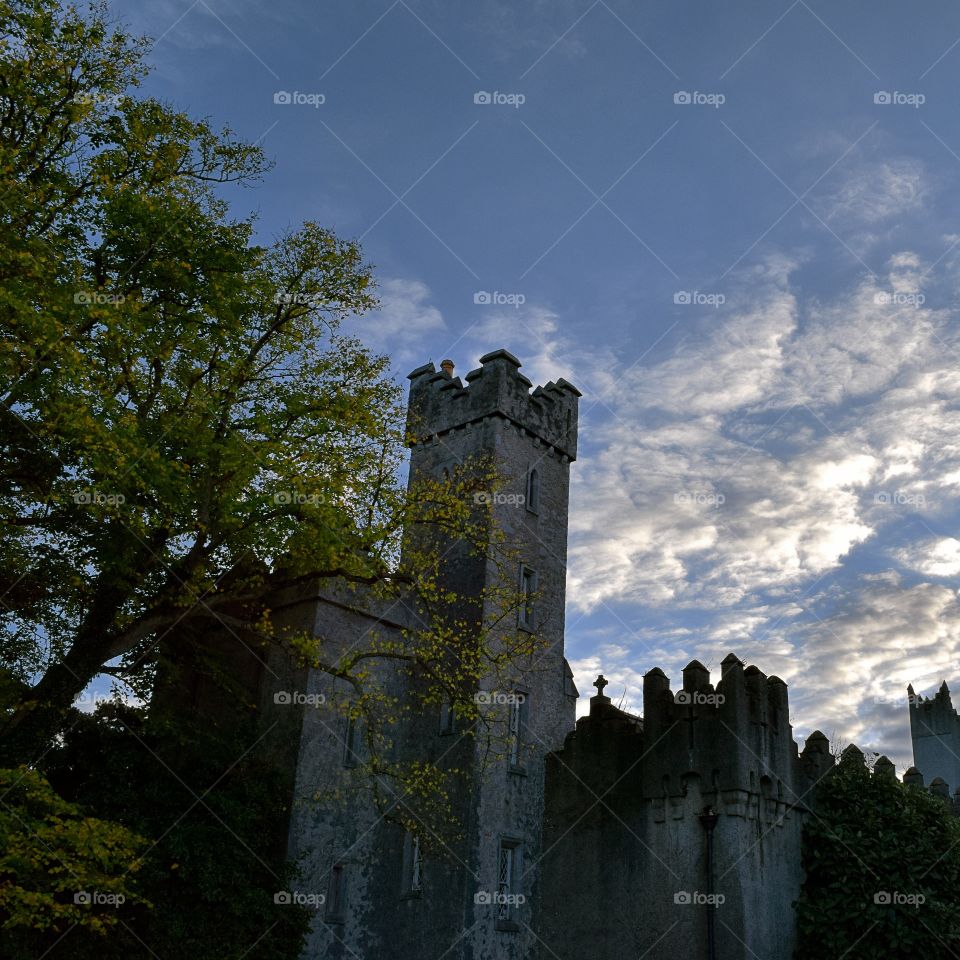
913	777
815	758
440	402
885	769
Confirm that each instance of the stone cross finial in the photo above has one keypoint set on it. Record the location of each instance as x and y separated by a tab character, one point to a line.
600	683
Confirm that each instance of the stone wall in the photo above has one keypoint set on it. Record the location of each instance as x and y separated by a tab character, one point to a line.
629	803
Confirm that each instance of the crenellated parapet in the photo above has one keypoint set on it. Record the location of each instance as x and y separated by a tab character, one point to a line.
733	738
883	767
440	402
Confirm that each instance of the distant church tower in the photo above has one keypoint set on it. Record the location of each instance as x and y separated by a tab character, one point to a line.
935	731
385	896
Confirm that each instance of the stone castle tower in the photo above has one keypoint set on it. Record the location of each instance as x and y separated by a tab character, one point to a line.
384	895
935	732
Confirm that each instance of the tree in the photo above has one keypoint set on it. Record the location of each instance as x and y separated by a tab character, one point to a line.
882	864
184	430
58	867
206	884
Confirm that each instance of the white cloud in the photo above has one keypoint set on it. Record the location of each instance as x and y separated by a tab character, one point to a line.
738	476
877	192
932	558
405	326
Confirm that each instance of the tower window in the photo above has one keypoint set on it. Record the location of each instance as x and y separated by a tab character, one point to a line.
447	718
508	875
336	894
533	491
351	741
528	589
412	865
516	720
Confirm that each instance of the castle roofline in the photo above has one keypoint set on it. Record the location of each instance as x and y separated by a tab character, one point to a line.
441	403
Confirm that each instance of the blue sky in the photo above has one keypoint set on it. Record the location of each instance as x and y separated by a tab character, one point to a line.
734	227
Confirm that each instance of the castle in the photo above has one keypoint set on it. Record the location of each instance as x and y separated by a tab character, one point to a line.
612	837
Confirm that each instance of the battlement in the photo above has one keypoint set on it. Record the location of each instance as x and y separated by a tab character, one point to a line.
440	402
733	738
884	767
931	714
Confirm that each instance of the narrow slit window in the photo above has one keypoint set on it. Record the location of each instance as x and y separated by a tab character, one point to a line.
533	491
351	741
447	718
515	726
508	877
336	894
528	589
412	865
